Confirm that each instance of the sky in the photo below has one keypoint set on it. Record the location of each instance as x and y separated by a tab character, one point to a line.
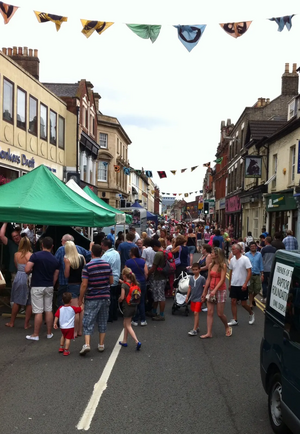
169	101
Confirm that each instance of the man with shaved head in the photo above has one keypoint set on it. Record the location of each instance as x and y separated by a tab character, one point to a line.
60	253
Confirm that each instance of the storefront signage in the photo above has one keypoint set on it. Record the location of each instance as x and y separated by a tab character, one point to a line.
280	287
18	159
276	202
222	203
253	166
233	204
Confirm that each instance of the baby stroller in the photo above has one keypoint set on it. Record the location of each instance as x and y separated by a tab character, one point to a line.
180	294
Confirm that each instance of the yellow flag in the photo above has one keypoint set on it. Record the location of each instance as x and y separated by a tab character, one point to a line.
42	17
90	26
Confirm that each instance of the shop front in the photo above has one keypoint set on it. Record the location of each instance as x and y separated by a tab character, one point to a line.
282	212
233	211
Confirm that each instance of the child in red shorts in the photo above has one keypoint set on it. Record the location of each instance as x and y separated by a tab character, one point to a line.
66	316
196	286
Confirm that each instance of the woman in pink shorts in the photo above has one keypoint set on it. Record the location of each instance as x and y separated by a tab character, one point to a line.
215	291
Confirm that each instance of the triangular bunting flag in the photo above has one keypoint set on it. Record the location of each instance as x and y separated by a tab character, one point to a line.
145	31
180	194
94	26
283	21
117	168
7	11
173	171
218	160
190	35
193	168
183	170
163	193
236	29
206	165
148	173
162	174
190	192
105	163
126	170
186	195
174	194
42	17
138	172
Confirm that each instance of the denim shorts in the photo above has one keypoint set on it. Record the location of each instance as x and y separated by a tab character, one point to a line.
74	290
95	311
191	249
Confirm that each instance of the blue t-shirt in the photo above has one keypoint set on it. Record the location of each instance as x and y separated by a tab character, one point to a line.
44	267
124	249
220	239
137	266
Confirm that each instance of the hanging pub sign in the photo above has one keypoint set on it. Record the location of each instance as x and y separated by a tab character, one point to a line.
253	166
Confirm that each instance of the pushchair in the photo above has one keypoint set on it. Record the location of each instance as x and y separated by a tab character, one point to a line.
180	294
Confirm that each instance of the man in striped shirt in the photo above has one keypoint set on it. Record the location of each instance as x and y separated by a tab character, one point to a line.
95	289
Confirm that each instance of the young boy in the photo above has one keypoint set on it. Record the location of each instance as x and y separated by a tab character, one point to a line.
66	315
196	286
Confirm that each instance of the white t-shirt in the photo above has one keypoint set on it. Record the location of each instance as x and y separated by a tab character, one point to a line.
239	269
137	237
66	315
148	254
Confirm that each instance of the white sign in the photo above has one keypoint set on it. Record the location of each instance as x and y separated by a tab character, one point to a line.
280	287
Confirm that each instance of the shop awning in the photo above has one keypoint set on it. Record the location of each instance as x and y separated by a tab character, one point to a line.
39	197
271	179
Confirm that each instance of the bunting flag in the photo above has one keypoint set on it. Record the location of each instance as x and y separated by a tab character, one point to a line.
117	168
162	174
152	191
163	192
283	21
94	26
190	192
218	160
138	172
144	31
190	35
200	191
148	173
183	170
186	195
42	17
126	170
180	194
7	11
193	168
206	165
174	194
105	163
236	29
173	171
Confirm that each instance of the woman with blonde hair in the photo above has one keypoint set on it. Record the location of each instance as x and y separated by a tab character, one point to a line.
20	294
128	311
74	264
215	291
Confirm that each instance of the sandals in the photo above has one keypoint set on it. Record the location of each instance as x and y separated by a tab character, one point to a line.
229	332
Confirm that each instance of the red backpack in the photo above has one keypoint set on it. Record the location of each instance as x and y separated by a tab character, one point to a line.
170	266
134	295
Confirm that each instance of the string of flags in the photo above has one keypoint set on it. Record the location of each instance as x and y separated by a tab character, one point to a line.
188	35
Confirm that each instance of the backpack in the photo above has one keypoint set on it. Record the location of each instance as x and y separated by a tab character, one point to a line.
134	295
170	266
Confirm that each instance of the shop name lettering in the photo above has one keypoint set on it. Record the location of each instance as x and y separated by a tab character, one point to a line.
18	159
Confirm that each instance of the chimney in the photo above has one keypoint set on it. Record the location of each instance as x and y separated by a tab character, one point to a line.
290	81
97	97
27	60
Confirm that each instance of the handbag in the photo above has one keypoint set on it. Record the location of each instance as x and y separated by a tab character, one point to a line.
2	280
177	260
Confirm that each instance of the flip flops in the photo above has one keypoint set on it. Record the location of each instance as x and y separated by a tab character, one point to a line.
229	332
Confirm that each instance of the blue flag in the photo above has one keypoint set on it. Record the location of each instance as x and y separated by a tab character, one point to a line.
283	21
126	170
190	35
148	173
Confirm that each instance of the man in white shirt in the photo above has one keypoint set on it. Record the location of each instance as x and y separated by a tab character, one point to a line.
29	231
136	235
239	277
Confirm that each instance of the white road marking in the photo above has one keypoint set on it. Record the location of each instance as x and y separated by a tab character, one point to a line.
99	387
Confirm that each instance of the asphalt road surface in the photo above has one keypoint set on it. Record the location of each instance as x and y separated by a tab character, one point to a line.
175	384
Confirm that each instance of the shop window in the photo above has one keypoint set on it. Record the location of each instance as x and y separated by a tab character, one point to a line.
102	171
103	140
8	100
43	122
255	223
87	119
92	125
33	115
21	108
61	132
53	127
7	175
293	162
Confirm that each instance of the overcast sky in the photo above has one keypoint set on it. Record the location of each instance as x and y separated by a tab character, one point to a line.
169	101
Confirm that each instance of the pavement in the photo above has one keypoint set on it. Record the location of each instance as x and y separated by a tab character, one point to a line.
174	384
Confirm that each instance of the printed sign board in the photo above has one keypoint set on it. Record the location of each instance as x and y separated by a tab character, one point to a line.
280	287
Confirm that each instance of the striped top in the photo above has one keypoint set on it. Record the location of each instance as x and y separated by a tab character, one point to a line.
97	272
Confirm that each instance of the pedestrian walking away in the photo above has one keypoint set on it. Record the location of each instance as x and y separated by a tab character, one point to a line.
239	277
257	272
129	309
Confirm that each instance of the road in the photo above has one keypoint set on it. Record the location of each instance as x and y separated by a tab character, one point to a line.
175	384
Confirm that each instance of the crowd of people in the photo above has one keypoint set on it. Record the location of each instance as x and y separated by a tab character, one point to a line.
94	286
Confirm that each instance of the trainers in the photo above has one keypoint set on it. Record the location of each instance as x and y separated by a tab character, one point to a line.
204	309
101	348
66	352
61	350
134	323
85	349
143	323
233	322
50	336
32	338
158	318
193	333
252	318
